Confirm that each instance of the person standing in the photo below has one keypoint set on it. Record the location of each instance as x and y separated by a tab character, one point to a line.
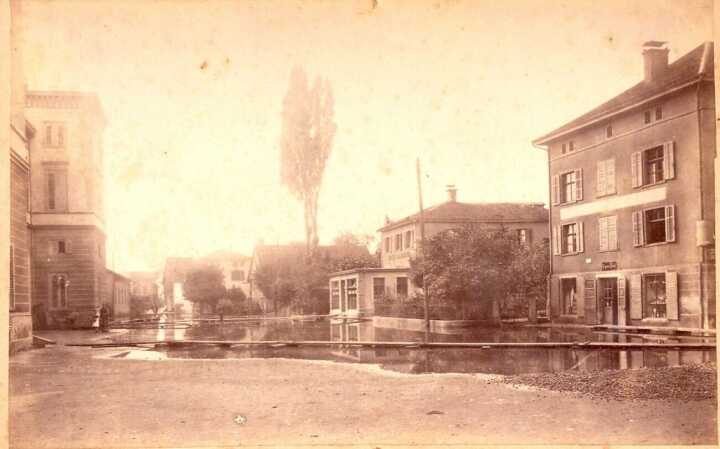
104	318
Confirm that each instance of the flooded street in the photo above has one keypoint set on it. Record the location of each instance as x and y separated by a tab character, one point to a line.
505	361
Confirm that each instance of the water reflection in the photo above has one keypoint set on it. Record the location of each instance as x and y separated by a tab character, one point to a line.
414	360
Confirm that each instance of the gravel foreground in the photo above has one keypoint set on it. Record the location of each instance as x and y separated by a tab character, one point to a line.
682	383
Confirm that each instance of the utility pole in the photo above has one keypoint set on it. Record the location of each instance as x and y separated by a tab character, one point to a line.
422	251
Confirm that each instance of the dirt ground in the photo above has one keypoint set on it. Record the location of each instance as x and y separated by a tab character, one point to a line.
64	397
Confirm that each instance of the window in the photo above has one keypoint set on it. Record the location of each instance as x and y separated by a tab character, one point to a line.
654	304
387	245
652	115
398	242
656	225
647	117
237	275
401	287
607	231
55	134
334	295
408	239
653	165
58	290
608	131
658	113
523	236
61	247
564	148
56	189
568	239
606	177
352	294
571	146
12	278
567	187
378	288
568	296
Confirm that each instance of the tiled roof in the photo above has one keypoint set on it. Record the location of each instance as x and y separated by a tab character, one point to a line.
688	68
456	212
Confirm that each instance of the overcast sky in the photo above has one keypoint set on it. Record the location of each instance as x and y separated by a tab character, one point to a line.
191	153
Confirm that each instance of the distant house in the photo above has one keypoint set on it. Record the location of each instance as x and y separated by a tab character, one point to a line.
633	200
144	287
354	292
235	269
284	258
173	278
117	294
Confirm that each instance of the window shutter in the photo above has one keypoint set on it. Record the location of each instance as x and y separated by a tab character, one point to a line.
636	297
670	223
622	300
554	297
636	168
609	176
669	160
603	233
601	187
580	237
556	189
612	233
671	295
580	295
637	226
578	184
556	240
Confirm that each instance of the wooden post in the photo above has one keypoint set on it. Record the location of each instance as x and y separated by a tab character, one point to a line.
422	251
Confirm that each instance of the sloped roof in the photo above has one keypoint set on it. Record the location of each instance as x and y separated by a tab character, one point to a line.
456	212
689	68
295	253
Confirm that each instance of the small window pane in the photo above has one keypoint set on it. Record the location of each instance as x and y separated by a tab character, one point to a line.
655	298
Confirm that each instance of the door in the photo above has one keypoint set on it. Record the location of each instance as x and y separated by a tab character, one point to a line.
609	300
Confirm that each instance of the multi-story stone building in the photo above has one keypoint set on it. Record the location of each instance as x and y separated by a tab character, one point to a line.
632	186
68	236
354	292
17	132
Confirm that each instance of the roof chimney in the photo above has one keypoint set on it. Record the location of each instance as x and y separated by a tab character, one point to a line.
452	193
655	58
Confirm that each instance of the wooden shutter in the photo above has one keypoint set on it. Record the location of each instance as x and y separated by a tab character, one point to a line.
670	223
637	226
580	237
555	190
609	176
554	297
636	297
669	160
636	168
578	184
556	240
671	295
601	187
603	233
622	300
580	295
590	302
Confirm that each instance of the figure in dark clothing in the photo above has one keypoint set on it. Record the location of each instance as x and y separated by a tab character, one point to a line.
104	318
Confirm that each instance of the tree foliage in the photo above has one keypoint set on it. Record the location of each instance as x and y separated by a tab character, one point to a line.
308	129
204	285
473	266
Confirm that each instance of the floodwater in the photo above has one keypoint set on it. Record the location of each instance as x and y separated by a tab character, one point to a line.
414	360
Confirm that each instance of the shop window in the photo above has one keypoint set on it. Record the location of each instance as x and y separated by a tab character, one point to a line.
655	300
352	294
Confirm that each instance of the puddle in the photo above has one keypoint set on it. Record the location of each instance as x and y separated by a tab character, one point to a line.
504	361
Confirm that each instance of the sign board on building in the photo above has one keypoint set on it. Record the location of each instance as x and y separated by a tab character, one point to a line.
609	266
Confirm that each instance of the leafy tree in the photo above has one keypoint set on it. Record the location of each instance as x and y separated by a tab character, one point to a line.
274	281
204	285
473	267
305	145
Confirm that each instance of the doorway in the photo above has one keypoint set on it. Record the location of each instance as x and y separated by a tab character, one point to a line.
608	299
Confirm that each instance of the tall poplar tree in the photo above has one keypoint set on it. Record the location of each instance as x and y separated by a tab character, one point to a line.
305	144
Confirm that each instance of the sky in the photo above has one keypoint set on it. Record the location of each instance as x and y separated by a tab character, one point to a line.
192	91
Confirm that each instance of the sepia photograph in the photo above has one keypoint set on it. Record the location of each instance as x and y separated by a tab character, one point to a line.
358	223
